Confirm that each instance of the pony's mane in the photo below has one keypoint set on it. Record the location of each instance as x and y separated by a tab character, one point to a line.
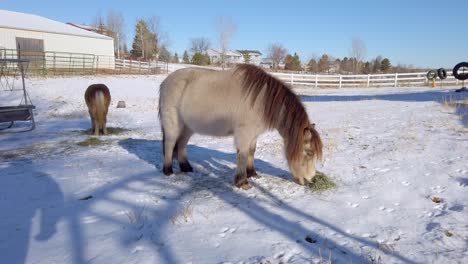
282	109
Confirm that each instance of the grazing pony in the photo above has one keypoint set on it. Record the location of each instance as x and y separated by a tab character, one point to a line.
245	102
98	98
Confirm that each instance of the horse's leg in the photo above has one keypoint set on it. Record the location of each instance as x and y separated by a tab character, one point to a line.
96	127
182	150
172	128
250	164
104	125
92	121
243	147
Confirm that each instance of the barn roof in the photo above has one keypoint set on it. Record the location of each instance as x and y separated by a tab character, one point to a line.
23	21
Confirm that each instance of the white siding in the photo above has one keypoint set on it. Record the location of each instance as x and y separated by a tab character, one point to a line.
60	42
255	58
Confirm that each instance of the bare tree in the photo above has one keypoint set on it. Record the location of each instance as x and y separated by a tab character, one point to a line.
199	45
115	24
98	23
277	53
358	51
226	29
153	23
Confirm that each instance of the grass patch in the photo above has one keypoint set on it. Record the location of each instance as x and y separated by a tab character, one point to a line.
92	141
454	102
110	131
321	183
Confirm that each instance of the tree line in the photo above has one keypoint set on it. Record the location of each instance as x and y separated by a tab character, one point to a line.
150	43
354	64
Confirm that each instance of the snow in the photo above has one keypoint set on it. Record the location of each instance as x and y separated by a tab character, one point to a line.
390	151
17	20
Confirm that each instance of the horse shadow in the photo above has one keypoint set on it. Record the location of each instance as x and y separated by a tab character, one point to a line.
204	160
25	192
289	225
442	97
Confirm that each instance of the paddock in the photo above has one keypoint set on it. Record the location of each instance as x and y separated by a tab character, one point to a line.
391	151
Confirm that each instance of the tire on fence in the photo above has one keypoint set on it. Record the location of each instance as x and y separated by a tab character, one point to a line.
457	67
442	73
431	75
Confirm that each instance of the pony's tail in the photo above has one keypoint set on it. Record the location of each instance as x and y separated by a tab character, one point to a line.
100	104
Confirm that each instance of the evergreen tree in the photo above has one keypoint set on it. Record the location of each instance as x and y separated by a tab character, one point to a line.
296	63
337	64
292	63
377	64
324	63
367	68
246	58
186	58
386	66
288	62
145	43
344	65
200	59
312	66
175	59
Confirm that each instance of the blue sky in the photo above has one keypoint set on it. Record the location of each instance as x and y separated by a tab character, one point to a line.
423	33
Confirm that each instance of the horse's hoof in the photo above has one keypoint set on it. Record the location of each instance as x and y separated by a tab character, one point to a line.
242	182
168	171
252	173
246	186
186	167
300	182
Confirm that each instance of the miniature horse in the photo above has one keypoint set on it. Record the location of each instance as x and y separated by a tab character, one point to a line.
244	102
98	98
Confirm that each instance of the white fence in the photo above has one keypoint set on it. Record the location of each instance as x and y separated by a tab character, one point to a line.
363	80
153	66
135	65
314	80
142	66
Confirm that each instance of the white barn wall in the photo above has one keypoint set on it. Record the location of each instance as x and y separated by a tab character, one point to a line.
55	42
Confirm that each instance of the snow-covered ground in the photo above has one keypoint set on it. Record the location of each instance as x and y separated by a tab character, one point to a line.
390	151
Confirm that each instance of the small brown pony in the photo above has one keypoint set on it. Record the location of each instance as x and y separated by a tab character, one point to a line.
98	98
245	102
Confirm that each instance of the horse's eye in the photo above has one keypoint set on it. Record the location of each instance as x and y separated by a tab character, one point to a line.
309	152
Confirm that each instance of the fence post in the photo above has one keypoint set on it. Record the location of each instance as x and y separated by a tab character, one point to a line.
396	79
368	80
292	79
70	66
316	81
55	67
340	82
